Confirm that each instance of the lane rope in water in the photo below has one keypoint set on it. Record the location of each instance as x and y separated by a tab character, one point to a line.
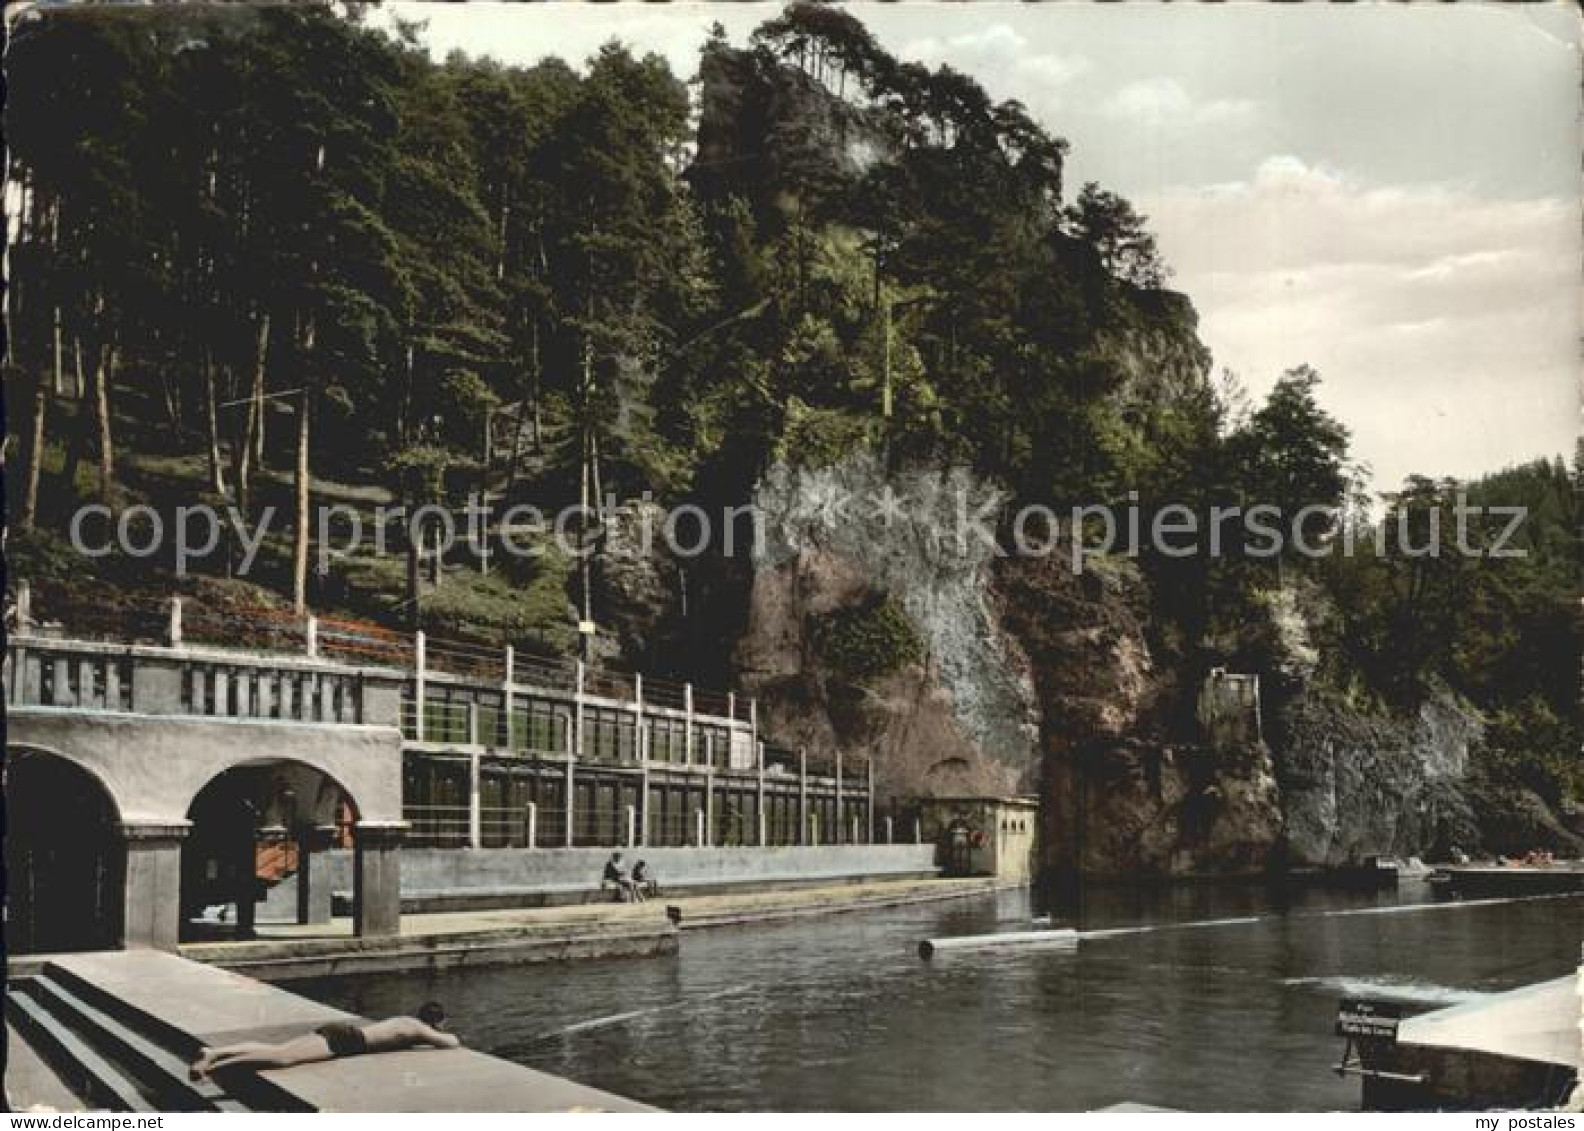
634	1014
1398	908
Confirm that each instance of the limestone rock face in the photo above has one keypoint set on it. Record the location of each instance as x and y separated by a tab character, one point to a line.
959	716
1128	788
1358	783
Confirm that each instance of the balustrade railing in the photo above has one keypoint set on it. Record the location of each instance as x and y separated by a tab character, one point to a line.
447	696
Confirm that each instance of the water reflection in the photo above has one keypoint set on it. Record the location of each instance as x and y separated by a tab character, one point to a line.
839	1013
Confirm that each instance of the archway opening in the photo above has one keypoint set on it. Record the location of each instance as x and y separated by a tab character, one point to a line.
65	858
255	830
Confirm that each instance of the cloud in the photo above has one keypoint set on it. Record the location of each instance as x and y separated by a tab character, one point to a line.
1164	103
1446	323
1005	60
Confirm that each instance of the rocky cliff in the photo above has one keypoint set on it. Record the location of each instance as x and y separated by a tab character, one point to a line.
943	703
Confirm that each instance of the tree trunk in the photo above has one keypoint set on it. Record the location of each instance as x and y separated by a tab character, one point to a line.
56	376
300	532
77	442
103	375
538	386
34	453
242	453
414	568
217	481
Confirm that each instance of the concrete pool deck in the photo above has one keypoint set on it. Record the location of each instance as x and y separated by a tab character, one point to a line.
454	939
1516	1049
185	1005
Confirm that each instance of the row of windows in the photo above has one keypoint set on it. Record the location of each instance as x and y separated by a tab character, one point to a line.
540	727
436	791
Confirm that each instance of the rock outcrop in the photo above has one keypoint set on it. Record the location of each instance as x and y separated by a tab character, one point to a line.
959	718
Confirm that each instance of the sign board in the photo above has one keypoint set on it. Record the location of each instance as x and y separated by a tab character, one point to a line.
586	627
1369	1019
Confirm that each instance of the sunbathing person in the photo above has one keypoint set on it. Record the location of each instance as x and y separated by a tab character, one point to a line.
328	1042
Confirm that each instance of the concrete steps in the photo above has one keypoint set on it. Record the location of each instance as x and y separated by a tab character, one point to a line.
112	1061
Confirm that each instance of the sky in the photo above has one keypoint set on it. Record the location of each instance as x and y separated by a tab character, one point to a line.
1389	193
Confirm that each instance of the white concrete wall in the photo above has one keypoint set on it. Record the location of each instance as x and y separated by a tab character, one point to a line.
153	766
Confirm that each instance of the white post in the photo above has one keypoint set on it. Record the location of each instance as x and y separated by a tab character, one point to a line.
507	697
731	704
803	813
175	630
533	825
753	721
840	811
918	830
888	831
311	636
576	751
709	803
632	826
869	809
814	829
420	663
760	808
687	724
698	828
24	608
475	794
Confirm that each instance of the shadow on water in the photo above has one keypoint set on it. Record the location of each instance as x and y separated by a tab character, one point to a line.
1191	1011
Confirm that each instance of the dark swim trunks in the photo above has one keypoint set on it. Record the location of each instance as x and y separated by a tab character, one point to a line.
344	1038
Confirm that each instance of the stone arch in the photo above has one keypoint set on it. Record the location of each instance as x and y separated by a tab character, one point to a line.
153	767
17	751
64	877
251	825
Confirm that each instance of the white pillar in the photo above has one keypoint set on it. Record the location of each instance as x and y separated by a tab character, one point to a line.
840	812
698	828
507	698
888	831
175	630
709	804
311	636
533	825
687	724
869	808
420	662
632	826
918	831
475	798
24	607
803	813
760	808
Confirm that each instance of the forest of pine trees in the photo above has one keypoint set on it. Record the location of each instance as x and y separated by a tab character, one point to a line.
277	252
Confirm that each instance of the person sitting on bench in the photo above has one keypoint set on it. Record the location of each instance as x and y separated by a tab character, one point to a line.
616	876
330	1042
644	879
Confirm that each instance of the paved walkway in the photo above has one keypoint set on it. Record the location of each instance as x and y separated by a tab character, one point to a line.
697	911
457	938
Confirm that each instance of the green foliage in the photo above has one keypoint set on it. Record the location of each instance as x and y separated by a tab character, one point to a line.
1528	745
866	641
820	437
499	608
